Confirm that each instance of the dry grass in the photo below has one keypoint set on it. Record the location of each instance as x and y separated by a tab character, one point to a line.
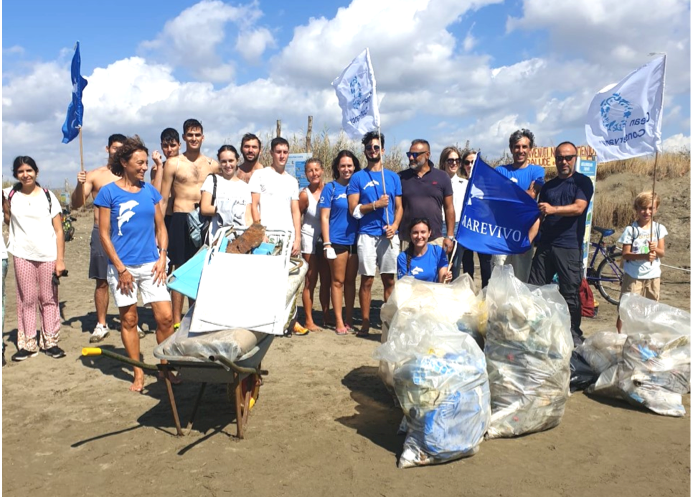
669	165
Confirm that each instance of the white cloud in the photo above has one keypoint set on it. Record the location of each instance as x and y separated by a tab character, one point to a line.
13	50
676	143
252	44
469	41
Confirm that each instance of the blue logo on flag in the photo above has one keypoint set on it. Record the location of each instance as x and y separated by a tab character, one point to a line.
497	214
615	111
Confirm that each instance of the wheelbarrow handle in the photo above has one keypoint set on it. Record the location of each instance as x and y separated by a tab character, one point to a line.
94	351
238	369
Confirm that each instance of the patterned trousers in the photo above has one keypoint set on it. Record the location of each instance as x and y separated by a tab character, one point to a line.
35	286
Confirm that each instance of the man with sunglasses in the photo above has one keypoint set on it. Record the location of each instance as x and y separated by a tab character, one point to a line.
530	178
426	191
374	197
563	203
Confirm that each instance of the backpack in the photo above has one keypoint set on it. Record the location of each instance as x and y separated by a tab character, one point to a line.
585	293
45	190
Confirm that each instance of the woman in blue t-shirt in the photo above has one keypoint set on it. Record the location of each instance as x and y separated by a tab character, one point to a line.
339	231
421	260
135	240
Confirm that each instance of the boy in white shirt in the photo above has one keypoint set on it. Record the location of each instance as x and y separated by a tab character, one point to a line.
275	195
641	251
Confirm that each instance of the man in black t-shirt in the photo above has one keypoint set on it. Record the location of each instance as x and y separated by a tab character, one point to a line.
563	203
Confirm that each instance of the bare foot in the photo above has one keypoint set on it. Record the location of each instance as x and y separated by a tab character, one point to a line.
138	384
311	326
364	329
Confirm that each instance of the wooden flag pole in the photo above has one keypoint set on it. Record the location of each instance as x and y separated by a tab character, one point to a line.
383	181
652	217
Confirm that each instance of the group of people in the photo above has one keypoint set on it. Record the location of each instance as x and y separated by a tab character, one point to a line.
367	219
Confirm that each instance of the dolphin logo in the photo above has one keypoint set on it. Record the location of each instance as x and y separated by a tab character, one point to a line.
342	195
371	183
126	213
475	192
416	270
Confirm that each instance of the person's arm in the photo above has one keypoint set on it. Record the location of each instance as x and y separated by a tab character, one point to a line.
256	197
450	218
157	171
303	201
205	206
325	216
6	210
296	225
443	273
124	276
60	238
159	269
167	183
575	209
85	183
534	229
658	248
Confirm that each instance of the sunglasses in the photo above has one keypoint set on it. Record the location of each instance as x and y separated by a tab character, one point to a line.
567	158
453	161
467	162
415	155
376	148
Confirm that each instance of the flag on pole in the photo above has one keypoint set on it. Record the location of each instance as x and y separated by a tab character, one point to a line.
356	89
497	214
625	120
75	110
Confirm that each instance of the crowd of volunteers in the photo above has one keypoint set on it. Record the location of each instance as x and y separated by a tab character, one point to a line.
367	220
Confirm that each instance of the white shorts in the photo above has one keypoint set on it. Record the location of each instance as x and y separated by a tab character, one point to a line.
377	252
142	280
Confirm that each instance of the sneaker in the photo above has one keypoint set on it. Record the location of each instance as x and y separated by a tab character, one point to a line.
141	332
24	354
100	332
55	352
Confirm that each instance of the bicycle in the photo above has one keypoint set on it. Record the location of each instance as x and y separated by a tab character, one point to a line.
608	275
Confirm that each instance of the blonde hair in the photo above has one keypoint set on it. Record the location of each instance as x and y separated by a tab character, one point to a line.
646	198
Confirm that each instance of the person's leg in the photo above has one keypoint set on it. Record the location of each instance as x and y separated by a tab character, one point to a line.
568	264
4	275
468	263
387	261
485	268
350	276
365	301
388	280
308	289
521	264
50	308
338	274
26	278
101	297
324	286
542	269
98	270
130	339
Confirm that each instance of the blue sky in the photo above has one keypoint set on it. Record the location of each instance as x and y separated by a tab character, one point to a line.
448	70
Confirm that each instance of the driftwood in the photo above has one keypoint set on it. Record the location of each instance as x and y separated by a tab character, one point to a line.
250	239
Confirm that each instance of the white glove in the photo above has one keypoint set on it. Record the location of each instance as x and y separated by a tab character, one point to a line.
330	253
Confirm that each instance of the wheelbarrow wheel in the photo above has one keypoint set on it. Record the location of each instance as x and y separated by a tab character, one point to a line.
250	384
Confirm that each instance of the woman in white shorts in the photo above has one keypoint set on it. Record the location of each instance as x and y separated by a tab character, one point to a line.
132	231
312	248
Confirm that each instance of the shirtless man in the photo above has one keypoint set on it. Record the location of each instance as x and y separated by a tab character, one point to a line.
183	176
170	145
250	147
89	184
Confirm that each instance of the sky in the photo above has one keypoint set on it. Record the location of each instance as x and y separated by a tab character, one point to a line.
448	71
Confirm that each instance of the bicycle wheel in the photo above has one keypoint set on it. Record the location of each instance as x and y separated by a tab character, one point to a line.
608	278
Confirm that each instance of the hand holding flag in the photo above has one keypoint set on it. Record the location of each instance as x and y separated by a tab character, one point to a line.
75	110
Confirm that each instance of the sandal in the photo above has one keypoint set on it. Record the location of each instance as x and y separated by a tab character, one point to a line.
341	331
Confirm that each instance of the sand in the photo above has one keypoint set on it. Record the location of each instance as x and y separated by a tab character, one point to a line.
323	425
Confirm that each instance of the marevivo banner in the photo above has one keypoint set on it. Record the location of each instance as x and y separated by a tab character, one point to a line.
544	156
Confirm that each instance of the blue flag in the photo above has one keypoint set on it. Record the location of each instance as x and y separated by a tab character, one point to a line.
497	214
75	111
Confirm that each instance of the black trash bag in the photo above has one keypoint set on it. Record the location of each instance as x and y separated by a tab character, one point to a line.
582	375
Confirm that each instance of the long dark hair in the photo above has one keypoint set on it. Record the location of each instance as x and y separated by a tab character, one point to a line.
129	147
19	162
337	159
409	253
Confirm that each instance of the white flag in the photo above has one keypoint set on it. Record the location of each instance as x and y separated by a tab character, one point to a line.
356	89
625	120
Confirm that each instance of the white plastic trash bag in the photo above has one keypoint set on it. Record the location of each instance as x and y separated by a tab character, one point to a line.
654	367
440	380
528	348
602	350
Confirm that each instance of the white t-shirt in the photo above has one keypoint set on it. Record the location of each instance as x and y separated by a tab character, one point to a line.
459	185
32	236
277	192
638	239
233	198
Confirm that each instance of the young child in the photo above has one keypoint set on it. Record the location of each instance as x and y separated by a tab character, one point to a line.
641	252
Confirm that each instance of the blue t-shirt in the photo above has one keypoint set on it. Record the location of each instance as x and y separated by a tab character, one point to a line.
523	177
426	267
342	226
132	228
368	185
